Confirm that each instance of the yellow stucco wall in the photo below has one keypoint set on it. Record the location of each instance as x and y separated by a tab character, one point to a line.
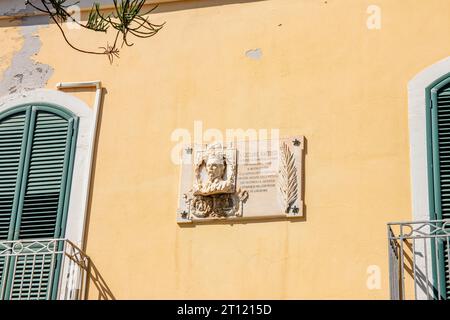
322	74
13	41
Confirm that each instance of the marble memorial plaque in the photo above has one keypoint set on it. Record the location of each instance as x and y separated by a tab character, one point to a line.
244	180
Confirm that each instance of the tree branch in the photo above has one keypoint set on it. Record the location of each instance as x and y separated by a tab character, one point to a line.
126	19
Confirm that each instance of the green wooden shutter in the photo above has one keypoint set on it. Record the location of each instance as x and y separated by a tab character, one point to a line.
440	134
42	200
13	134
442	101
46	166
442	113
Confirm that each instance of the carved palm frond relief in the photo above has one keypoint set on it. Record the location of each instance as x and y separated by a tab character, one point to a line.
288	184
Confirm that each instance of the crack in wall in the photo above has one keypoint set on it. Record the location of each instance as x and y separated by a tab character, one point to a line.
24	73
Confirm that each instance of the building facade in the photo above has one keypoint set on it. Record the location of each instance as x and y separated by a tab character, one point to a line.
89	182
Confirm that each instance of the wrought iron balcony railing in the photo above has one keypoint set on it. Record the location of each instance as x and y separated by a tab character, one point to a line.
419	265
42	269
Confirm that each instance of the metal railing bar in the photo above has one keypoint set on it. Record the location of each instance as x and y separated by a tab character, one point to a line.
417	222
402	275
38	259
50	278
426	268
4	276
13	278
62	281
41	277
406	238
391	275
23	275
436	255
419	237
414	266
31	254
31	277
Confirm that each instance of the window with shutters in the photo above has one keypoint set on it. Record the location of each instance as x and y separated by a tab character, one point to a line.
439	157
37	147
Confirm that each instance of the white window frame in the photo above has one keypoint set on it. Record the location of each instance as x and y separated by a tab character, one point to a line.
79	192
417	105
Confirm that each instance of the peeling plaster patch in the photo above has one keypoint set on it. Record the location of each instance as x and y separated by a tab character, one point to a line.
254	54
24	73
11	7
15	8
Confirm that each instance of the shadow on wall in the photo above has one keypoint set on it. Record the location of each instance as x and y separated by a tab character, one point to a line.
415	271
82	277
96	279
28	21
196	4
42	19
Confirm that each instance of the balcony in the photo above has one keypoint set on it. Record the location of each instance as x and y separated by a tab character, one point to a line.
47	269
419	264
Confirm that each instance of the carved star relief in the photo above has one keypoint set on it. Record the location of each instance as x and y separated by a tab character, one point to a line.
296	142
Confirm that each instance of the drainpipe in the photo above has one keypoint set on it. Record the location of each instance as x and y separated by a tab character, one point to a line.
90	156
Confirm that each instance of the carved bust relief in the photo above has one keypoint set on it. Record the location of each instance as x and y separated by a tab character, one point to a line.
214	192
217	164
